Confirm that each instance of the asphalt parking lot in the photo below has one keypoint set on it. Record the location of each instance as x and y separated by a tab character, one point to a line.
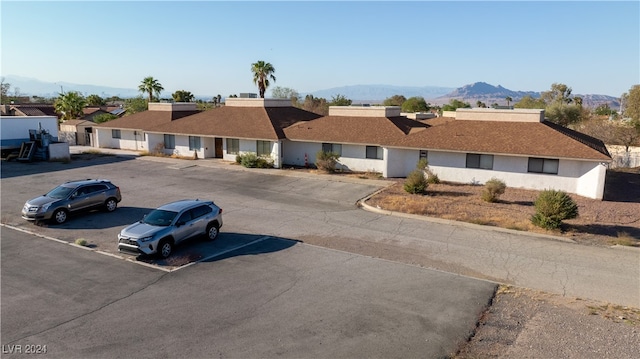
257	291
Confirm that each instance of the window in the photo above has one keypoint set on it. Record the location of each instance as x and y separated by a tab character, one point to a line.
194	143
263	148
374	152
115	134
479	161
200	211
332	147
423	154
543	165
169	142
233	146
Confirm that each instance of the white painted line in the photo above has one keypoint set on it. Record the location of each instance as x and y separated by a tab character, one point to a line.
221	253
34	234
145	264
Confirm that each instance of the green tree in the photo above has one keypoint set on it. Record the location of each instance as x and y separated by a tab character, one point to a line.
603	110
285	92
150	86
113	99
135	105
563	115
104	117
95	100
182	96
529	102
395	100
340	100
317	105
455	104
4	90
632	103
69	105
415	104
262	72
559	93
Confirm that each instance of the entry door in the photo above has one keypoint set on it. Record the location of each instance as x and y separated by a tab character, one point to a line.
218	146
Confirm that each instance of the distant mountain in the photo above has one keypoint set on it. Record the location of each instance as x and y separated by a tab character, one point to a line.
373	94
489	94
34	87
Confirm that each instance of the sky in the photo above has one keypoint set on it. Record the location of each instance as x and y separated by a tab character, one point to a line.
207	47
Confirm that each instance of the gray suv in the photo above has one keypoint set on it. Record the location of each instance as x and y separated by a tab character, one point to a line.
170	224
70	197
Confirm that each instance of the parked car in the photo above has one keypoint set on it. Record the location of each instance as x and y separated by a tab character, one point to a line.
169	225
72	197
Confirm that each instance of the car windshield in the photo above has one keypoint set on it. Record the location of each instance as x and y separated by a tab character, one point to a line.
159	217
60	192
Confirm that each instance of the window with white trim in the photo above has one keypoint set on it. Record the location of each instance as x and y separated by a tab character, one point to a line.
475	160
543	165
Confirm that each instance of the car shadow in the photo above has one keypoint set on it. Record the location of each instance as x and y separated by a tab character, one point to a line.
10	169
99	219
227	245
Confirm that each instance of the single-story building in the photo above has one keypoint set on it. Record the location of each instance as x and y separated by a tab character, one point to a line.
518	147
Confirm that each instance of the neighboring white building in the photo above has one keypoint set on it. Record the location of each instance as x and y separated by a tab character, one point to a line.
516	146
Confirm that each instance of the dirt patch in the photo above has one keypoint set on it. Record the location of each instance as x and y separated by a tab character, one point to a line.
614	220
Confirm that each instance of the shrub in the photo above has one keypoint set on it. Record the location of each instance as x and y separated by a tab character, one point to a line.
552	207
81	242
432	178
327	161
416	182
493	189
251	160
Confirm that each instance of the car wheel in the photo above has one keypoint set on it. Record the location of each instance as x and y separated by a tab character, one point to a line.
165	248
212	231
110	205
60	216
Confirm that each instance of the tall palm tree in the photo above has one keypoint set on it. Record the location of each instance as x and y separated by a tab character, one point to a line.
69	105
262	72
149	85
509	99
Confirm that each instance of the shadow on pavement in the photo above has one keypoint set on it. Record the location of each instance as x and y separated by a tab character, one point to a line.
11	169
99	219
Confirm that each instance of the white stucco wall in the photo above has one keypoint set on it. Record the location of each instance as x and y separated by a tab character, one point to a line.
400	162
129	139
580	177
353	157
251	146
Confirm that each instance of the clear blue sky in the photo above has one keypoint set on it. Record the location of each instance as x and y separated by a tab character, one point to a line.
207	47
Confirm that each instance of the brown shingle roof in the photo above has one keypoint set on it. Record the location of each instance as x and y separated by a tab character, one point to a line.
239	122
351	129
146	120
36	109
543	139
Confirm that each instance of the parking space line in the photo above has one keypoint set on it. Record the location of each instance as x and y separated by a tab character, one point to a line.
221	253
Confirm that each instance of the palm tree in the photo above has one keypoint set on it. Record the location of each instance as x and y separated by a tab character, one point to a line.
150	85
262	72
69	105
509	99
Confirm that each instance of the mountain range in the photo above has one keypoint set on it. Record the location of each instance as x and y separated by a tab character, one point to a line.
359	94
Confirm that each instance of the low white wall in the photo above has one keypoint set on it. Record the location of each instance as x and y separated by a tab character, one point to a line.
352	158
59	151
400	162
580	177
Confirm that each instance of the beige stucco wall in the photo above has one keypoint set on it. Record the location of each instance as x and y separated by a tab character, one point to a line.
491	114
176	106
257	102
362	111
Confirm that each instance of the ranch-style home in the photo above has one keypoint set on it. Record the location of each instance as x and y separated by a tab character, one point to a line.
517	146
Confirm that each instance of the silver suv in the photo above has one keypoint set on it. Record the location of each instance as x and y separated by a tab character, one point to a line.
170	224
70	197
